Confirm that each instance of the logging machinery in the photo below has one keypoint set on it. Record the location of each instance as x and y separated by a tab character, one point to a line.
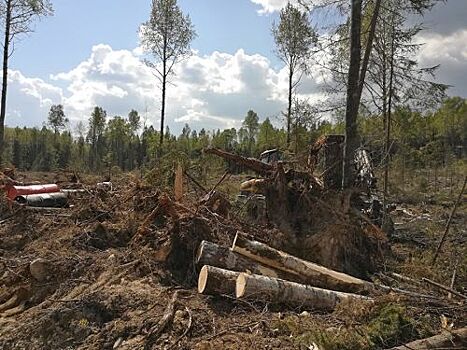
326	151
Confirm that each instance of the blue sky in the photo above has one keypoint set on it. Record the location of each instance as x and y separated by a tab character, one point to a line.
87	54
64	40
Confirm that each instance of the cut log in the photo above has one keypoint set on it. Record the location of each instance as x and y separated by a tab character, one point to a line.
213	280
447	340
311	273
215	255
278	291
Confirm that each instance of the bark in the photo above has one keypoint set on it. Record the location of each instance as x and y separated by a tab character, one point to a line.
214	280
388	131
223	257
309	272
164	87
6	55
351	132
332	176
250	163
448	340
289	110
368	49
278	291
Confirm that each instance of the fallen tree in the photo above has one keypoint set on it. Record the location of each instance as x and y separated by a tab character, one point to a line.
278	291
215	255
251	163
329	234
309	272
447	340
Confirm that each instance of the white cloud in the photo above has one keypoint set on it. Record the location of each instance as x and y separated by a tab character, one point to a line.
270	6
210	91
450	51
29	99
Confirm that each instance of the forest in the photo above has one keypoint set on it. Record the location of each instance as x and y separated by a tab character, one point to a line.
335	222
420	139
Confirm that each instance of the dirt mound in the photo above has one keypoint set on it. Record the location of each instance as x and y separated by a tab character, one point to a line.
113	261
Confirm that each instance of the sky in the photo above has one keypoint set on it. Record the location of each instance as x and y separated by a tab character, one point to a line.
88	53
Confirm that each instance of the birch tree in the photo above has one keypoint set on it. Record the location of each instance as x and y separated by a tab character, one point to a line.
166	36
295	39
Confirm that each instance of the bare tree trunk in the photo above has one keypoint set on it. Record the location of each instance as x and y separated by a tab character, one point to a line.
308	272
369	47
388	130
351	132
277	291
456	339
289	109
296	136
6	49
164	86
214	255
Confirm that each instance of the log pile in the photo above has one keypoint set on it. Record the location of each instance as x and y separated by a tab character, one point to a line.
255	271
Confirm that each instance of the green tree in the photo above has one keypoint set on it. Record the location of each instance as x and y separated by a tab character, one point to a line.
249	130
95	136
295	39
135	121
266	136
57	119
167	37
118	139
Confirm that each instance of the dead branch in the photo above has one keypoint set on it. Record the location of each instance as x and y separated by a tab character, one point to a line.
453	278
156	331
192	179
447	289
188	327
250	163
448	225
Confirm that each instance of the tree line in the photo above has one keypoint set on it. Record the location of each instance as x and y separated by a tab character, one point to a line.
370	68
422	139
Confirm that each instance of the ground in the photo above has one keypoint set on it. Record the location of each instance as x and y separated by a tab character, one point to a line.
103	283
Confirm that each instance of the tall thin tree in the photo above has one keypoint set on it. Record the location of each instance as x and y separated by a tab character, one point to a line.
17	17
353	80
295	39
167	36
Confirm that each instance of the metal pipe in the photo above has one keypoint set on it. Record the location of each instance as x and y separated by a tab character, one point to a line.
44	200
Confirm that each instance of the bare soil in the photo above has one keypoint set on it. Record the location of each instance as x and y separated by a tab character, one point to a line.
108	280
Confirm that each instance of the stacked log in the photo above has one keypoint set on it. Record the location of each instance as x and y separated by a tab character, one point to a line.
213	280
215	255
309	272
278	291
252	270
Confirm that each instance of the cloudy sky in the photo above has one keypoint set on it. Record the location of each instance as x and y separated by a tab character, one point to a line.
88	54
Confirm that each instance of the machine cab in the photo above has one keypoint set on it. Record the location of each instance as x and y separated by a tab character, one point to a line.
271	156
